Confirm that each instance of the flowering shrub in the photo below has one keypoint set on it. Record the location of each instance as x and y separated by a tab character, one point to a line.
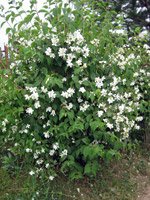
82	84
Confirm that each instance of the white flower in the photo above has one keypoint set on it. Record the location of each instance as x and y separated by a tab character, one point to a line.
102	62
100	113
28	150
121	108
85	51
29	111
79	62
69	38
84	66
136	74
16	144
46	134
146	46
70	56
84	107
35	156
110	100
82	90
40	161
43	150
49	109
32	89
53	113
114	88
99	81
49	53
140	118
62	52
44	126
55	40
80	100
4	122
69	60
48	123
137	127
38	142
47	165
31	173
51	152
55	146
68	93
37	193
52	94
28	126
69	63
78	36
103	92
69	106
71	91
37	104
110	126
65	95
3	130
64	79
76	49
95	42
27	97
12	65
14	129
43	89
51	178
64	153
42	117
132	83
118	31
25	131
143	34
124	81
34	96
54	29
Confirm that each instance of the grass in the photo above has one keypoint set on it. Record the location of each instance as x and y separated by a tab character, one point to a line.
118	180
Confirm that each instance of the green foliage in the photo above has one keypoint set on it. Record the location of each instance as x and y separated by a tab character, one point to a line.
77	88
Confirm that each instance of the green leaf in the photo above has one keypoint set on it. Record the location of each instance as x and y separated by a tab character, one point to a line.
91	168
112	153
77	126
28	18
8	30
75	175
97	124
93	151
70	115
86	140
62	114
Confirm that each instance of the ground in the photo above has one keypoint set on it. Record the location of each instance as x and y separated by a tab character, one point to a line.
145	195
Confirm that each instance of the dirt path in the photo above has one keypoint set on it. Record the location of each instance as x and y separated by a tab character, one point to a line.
146	195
